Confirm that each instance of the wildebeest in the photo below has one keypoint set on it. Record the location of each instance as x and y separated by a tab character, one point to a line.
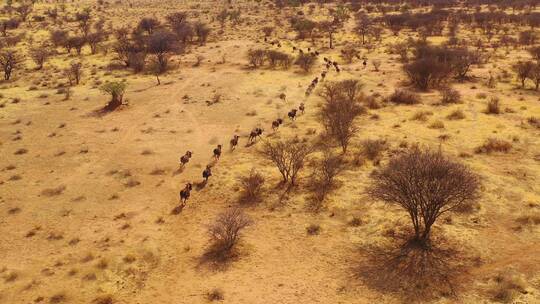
257	132
207	173
323	75
185	193
365	63
302	108
217	152
276	123
185	158
292	114
234	142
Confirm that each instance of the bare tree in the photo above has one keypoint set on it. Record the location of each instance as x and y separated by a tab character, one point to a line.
161	43
305	61
148	25
427	185
329	27
341	108
288	156
225	233
256	57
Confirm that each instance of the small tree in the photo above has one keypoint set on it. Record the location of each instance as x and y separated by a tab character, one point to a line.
329	27
535	75
23	10
288	156
341	109
40	55
148	25
523	71
9	61
349	52
202	31
324	175
225	233
116	89
427	185
305	61
161	44
256	57
363	26
74	73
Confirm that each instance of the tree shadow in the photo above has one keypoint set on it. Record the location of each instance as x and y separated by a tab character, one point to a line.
414	271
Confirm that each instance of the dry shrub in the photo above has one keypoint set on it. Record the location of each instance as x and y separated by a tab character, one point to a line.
373	148
436	125
252	186
313	229
508	287
529	219
225	234
421	115
494	145
534	121
456	115
215	295
450	95
323	177
256	57
105	299
404	96
53	191
493	106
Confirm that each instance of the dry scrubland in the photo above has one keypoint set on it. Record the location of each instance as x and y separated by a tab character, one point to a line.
89	190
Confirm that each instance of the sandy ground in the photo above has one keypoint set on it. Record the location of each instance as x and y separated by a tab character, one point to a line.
86	200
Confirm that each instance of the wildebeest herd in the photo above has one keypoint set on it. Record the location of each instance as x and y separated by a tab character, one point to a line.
258	131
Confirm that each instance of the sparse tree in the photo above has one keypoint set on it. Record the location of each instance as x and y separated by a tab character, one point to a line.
288	156
256	57
202	31
23	10
9	61
40	55
305	61
523	71
341	108
161	43
74	73
363	26
148	25
427	185
329	27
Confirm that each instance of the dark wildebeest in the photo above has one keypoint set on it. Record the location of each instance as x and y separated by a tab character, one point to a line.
276	123
292	114
184	193
323	75
257	132
207	173
234	142
302	108
185	158
365	63
217	152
